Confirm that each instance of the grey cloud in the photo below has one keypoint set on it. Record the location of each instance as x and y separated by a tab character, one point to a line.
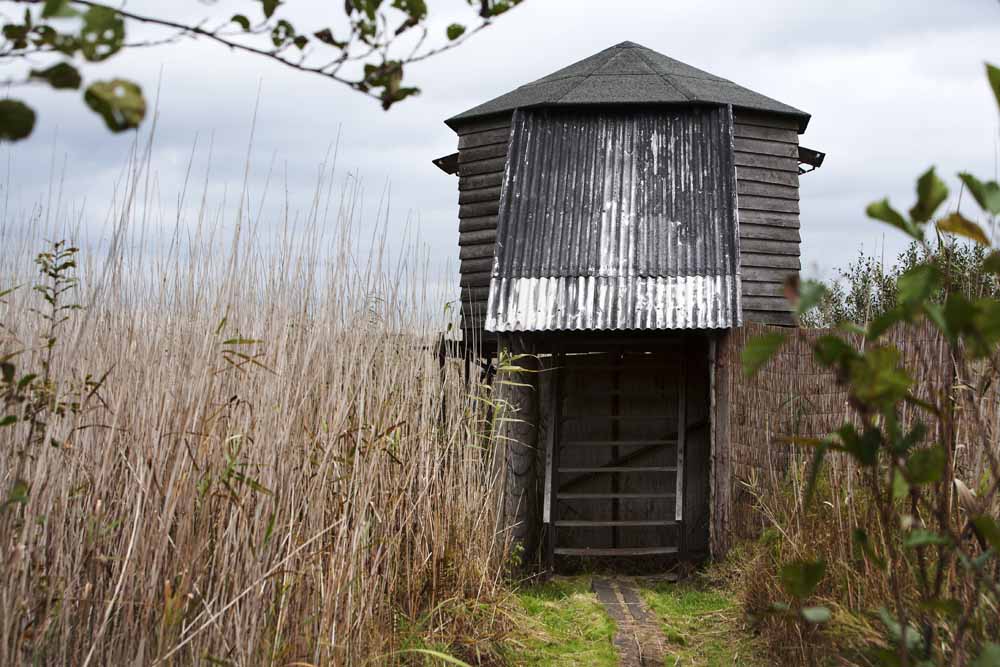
893	87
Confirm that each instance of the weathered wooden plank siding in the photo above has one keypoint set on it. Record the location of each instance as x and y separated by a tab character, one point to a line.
482	157
767	183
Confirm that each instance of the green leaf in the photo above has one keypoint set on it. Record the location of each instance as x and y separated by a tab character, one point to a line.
900	487
455	30
885	321
959	314
57	9
241	21
992	262
993	76
18	494
925	466
918	284
801	577
759	350
863	544
326	36
988	529
119	102
26	380
931	193
833	351
986	193
416	10
882	210
910	637
17	120
959	225
282	33
865	447
8	420
920	537
990	655
61	76
269	7
878	379
814	469
816	615
811	293
102	34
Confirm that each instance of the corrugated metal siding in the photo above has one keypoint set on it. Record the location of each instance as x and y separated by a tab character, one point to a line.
617	220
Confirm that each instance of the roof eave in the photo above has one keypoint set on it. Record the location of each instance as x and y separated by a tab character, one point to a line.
456	122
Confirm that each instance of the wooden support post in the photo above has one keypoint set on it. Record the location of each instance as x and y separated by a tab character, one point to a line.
681	446
721	473
552	462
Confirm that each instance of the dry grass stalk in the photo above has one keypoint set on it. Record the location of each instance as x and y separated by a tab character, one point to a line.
275	469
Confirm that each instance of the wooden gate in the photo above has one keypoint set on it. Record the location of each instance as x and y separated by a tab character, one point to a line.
614	480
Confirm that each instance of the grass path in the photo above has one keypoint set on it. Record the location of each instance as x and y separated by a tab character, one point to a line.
564	624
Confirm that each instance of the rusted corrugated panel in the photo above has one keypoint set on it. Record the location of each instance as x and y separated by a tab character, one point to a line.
617	220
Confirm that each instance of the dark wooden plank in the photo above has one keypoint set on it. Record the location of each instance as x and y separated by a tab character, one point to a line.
746	117
758	146
488	152
480	194
481	279
772	218
476	251
477	224
751	259
768	303
765	274
465	127
476	265
619	443
768	317
612	552
475	294
757	288
610	496
477	181
761	132
495	165
477	238
614	524
742	159
500	135
479	209
750	203
749	230
476	310
760	175
617	469
761	190
767	247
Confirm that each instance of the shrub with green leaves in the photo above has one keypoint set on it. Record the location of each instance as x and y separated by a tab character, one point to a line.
367	49
945	537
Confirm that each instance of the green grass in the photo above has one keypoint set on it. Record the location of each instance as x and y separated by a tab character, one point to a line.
703	624
564	624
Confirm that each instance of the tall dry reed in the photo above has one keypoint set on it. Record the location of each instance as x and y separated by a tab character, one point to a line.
266	466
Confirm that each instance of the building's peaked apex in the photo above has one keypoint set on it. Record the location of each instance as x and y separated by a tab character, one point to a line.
629	73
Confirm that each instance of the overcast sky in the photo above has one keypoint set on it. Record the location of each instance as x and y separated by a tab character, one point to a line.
893	87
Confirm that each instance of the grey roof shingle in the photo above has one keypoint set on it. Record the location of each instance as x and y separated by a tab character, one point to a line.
628	73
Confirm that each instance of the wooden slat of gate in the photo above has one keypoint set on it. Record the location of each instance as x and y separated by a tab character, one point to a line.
557	491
